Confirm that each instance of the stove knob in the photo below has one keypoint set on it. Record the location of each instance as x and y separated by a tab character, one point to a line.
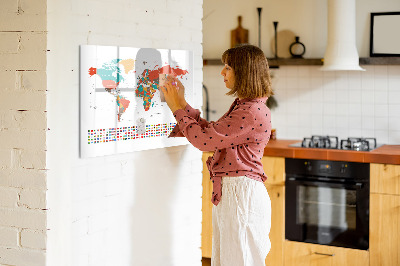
343	168
308	166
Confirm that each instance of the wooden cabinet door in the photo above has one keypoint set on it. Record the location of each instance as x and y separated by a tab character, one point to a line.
384	236
274	168
277	233
206	226
385	178
304	254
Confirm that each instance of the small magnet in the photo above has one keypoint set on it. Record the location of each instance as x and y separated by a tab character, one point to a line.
141	126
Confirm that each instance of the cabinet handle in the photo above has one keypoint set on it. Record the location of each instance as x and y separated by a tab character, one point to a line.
324	254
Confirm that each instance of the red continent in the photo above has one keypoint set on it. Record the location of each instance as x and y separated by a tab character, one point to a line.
92	71
154	74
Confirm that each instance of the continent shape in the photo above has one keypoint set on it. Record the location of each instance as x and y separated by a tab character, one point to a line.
128	64
123	104
146	89
148	83
110	74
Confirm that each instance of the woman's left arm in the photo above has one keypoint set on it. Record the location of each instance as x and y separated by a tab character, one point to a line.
174	93
236	129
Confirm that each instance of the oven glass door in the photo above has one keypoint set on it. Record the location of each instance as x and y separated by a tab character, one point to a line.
327	207
326	213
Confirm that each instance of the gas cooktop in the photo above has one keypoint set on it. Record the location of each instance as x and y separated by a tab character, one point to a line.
332	142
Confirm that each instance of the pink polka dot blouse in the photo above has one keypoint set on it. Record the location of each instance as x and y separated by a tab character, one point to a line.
238	139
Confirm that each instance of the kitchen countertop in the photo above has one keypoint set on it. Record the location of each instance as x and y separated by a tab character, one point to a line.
389	154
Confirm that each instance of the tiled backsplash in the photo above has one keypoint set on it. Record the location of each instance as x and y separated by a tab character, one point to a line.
314	102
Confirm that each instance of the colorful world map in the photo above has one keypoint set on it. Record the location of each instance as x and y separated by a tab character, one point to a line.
146	86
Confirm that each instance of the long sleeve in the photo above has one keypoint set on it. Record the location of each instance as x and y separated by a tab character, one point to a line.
193	113
231	130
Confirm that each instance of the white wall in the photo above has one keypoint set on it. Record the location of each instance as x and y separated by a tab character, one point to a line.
305	18
140	208
343	104
23	133
311	102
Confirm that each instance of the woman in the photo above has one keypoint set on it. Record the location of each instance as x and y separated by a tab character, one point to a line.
242	211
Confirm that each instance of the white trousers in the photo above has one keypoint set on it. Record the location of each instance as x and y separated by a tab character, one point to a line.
241	223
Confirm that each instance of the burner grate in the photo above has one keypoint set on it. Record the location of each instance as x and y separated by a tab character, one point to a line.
358	144
327	142
332	142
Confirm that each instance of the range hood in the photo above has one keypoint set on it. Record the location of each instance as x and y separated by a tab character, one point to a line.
341	51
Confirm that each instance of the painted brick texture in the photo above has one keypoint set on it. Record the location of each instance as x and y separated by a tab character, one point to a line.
108	211
9	237
23	132
141	208
33	239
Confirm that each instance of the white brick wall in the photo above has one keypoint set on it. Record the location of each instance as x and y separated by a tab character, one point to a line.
9	197
23	218
116	210
11	256
23	178
23	132
33	239
141	208
9	237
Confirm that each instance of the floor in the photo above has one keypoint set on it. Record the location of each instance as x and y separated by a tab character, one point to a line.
206	261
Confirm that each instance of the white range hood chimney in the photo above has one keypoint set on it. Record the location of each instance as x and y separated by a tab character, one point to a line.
341	51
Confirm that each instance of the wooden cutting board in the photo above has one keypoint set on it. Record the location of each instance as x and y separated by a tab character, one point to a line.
239	35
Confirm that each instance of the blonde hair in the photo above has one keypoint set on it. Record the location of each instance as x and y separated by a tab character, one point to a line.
250	66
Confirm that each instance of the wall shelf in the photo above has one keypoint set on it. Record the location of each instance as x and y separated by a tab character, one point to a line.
274	63
380	61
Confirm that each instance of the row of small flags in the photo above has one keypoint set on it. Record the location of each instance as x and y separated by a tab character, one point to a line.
128	133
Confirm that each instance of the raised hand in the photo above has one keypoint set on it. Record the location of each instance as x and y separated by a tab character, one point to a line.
181	90
173	94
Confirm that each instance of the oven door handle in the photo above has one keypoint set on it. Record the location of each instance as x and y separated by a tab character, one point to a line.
357	185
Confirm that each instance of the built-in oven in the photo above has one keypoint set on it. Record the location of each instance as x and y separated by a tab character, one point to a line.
327	202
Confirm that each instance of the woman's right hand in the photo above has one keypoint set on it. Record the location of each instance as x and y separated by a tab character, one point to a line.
181	90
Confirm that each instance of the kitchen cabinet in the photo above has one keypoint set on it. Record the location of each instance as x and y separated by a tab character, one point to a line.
305	254
385	230
277	233
206	225
385	178
384	245
385	215
274	168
